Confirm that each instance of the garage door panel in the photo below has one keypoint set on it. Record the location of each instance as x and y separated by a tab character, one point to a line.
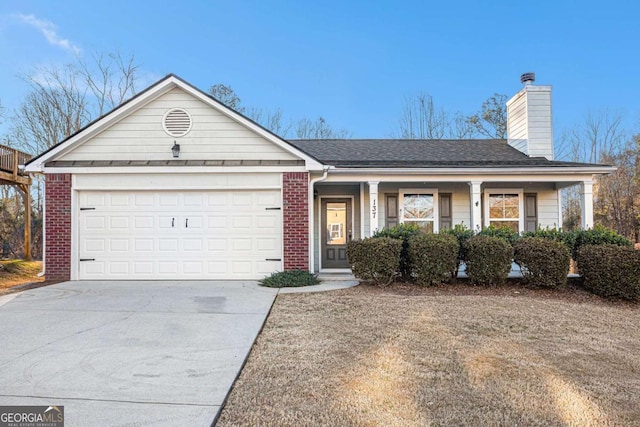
172	234
143	245
119	245
119	223
143	267
119	199
168	199
94	268
168	245
192	245
169	268
144	199
120	268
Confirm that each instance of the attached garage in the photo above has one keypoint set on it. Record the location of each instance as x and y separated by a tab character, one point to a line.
173	185
141	235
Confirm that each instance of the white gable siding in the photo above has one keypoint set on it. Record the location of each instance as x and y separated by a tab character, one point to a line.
213	136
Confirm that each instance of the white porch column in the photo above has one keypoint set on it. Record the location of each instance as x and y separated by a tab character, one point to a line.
476	205
586	200
373	207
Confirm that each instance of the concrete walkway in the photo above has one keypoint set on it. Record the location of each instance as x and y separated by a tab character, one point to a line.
129	353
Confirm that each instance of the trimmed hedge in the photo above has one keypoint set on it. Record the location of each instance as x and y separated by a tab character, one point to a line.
504	233
611	271
402	232
555	234
543	262
434	257
462	234
598	235
488	259
375	259
290	279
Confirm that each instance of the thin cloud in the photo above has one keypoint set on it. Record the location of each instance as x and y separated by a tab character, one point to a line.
48	30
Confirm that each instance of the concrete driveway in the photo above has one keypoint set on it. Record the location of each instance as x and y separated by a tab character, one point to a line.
129	353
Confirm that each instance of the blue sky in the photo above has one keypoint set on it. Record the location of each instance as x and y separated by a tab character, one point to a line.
351	62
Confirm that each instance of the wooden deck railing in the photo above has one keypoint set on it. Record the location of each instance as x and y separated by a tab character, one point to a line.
10	158
10	174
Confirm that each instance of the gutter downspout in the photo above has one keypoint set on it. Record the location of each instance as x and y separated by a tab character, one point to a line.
44	222
311	224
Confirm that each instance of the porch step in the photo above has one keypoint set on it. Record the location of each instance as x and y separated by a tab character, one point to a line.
336	277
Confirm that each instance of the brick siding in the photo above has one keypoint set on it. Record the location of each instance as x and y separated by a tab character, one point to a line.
58	226
295	196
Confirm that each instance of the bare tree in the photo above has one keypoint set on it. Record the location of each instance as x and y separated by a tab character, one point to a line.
56	107
617	202
272	120
421	119
600	133
227	96
64	99
599	136
491	120
110	78
318	129
461	127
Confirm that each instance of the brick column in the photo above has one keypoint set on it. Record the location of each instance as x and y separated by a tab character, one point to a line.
58	227
295	215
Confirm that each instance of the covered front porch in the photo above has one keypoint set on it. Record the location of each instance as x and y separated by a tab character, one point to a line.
352	206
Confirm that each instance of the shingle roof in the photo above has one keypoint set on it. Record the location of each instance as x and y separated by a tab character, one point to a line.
427	153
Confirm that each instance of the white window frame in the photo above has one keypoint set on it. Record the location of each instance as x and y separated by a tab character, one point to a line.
426	191
518	191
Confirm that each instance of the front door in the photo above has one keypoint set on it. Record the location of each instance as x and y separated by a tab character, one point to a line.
336	232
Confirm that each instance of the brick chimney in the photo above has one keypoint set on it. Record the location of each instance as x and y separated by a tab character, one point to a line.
529	121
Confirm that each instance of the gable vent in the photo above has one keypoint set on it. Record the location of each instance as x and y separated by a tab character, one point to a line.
177	122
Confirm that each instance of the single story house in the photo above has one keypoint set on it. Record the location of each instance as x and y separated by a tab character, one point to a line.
173	184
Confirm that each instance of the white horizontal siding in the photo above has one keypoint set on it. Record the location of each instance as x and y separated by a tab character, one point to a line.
548	209
461	205
529	121
214	136
517	122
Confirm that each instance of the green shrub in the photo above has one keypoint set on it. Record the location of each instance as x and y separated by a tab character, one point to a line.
375	259
555	234
461	233
488	259
543	262
402	232
504	233
598	235
434	257
610	271
290	279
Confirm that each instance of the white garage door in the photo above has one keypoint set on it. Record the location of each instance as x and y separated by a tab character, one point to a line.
179	234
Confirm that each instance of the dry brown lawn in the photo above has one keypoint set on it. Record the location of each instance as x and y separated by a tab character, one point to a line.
18	272
456	356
